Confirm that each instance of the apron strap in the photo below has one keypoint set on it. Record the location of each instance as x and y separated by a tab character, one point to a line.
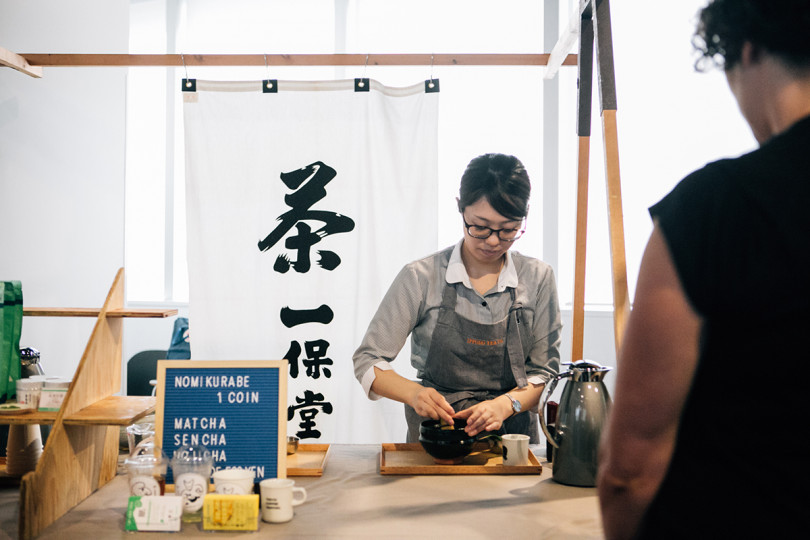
514	345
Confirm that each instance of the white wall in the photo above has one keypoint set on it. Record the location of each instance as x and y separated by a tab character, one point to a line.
62	168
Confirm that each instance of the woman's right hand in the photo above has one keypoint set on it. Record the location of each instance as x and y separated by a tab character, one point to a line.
428	402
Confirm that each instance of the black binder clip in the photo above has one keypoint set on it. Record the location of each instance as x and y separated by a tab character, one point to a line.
361	85
189	85
431	86
270	86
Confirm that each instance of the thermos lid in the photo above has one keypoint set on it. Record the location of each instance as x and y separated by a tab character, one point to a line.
587	370
29	356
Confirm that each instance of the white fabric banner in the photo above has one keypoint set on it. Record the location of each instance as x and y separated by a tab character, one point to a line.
302	205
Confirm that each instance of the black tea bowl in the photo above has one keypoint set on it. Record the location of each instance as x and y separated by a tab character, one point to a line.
446	446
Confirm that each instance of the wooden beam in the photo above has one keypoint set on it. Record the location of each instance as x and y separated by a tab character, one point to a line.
621	297
584	98
578	319
15	61
607	98
194	60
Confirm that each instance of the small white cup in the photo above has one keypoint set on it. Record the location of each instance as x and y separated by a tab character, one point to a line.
278	498
234	481
515	449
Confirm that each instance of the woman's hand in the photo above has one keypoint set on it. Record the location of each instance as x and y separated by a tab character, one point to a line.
428	402
485	416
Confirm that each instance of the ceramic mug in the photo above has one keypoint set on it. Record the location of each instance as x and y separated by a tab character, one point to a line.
515	449
278	496
234	481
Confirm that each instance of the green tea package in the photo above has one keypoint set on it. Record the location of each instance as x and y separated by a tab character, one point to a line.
4	347
11	322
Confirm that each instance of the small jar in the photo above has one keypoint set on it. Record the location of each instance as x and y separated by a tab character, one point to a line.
28	393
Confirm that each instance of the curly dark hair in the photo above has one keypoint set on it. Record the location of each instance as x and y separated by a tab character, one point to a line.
778	26
502	180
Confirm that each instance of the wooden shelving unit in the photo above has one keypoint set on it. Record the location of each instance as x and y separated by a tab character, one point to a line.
81	453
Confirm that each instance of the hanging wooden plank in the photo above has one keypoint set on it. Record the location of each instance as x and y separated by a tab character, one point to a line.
193	60
15	61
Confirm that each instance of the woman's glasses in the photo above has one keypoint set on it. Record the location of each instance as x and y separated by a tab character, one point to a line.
482	233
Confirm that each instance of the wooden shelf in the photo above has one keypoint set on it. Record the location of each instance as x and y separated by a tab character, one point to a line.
113	411
95	312
36	417
82	450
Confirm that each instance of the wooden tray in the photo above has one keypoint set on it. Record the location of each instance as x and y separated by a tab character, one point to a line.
412	459
309	460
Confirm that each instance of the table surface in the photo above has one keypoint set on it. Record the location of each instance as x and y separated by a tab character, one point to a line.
353	500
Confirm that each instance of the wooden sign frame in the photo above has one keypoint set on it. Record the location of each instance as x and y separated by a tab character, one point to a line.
203	392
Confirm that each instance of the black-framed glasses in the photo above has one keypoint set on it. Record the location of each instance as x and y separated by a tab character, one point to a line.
482	233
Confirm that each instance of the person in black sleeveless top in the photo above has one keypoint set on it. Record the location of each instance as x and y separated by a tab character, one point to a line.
706	434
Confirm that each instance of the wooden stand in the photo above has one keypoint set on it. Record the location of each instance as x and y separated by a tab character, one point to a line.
81	453
595	34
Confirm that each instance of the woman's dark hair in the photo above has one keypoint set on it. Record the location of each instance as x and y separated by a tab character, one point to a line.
780	27
502	180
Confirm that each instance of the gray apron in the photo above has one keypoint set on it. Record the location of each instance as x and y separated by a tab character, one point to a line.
470	362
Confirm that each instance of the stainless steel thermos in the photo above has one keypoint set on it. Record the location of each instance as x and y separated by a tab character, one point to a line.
29	363
581	414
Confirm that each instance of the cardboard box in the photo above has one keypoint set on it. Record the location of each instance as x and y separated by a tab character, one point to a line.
154	513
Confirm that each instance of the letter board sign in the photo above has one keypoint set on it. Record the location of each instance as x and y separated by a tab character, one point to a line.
236	409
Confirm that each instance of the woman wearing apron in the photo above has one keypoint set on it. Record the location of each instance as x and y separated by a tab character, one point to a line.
484	321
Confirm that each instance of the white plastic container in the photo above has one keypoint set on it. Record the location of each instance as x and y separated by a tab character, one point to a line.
53	393
28	393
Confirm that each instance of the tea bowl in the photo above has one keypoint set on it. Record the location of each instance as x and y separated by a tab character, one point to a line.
447	445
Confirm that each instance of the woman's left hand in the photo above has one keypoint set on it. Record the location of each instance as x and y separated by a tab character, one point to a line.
485	416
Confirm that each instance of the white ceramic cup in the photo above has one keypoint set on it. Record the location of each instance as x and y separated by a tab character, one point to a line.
515	449
278	496
234	481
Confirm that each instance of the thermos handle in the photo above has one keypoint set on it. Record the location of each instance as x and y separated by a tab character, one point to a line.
547	391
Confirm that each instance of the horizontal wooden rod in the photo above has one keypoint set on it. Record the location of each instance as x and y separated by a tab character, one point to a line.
195	60
94	312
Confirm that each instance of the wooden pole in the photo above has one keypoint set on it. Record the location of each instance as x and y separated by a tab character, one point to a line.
607	92
584	97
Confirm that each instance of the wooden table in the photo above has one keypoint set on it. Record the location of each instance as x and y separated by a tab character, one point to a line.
353	500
